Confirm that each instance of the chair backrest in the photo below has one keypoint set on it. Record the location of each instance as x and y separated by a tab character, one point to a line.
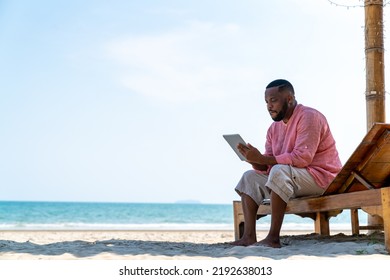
369	165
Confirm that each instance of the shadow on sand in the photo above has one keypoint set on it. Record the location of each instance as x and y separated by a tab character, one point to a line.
292	245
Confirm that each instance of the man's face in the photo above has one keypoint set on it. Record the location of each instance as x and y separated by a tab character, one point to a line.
277	103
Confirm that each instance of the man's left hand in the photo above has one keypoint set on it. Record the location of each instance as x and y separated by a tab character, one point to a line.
251	153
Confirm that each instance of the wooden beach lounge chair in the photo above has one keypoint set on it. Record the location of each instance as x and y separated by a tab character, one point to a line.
363	183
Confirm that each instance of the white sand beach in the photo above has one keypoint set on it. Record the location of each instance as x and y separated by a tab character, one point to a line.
182	245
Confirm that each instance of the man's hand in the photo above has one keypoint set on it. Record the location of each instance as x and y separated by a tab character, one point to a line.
254	157
251	154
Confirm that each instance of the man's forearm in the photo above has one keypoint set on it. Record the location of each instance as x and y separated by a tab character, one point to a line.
266	160
263	163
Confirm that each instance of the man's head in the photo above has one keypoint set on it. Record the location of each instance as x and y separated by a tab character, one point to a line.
280	99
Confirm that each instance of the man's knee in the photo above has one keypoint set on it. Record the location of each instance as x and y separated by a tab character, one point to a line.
249	174
280	181
280	170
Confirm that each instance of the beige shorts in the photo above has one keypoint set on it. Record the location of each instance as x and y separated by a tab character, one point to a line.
286	181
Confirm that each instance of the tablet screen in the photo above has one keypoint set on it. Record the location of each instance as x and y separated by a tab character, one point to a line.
233	140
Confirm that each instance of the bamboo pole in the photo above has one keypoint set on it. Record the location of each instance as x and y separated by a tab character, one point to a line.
375	73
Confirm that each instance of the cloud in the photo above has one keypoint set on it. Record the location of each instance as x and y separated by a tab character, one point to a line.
197	62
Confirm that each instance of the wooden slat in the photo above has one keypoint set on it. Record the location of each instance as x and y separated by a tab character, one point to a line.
363	181
335	202
361	158
366	170
372	154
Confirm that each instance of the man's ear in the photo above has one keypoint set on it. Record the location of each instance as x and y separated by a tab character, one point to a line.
290	98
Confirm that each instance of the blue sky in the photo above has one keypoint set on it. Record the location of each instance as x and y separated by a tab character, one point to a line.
127	101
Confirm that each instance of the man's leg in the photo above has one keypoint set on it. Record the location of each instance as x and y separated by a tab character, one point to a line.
286	182
278	208
252	191
249	207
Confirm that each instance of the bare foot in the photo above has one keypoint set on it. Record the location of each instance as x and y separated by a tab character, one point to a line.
269	243
244	242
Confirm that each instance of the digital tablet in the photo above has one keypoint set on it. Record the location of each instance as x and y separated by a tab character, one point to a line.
233	140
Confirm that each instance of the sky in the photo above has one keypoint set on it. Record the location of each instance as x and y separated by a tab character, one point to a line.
127	101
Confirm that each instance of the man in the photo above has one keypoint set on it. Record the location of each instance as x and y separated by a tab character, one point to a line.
300	159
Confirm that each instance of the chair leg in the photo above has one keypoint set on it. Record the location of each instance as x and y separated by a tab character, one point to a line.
238	222
355	221
321	223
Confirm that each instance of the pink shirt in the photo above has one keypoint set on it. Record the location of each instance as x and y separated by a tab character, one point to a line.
305	142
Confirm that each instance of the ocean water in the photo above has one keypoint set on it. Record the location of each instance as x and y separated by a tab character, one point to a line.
138	216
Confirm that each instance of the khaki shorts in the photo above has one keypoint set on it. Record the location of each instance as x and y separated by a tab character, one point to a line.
286	181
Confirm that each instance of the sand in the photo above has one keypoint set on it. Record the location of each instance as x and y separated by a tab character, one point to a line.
182	245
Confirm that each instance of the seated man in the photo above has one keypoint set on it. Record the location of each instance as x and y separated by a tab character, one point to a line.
300	159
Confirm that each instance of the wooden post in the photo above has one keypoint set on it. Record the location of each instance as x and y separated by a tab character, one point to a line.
375	73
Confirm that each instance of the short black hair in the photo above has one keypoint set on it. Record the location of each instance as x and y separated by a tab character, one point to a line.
281	84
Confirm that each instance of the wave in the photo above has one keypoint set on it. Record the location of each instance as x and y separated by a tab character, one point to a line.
157	226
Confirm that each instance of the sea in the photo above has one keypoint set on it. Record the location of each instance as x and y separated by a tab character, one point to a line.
23	215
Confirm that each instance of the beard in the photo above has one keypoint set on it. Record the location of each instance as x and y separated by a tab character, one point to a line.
280	116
